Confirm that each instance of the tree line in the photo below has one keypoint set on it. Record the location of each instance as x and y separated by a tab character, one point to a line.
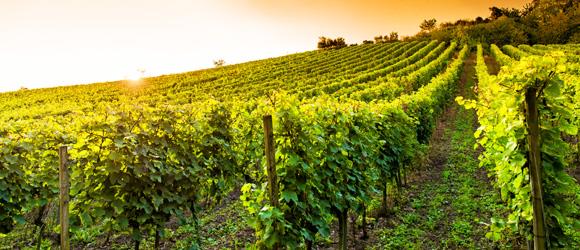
538	22
329	43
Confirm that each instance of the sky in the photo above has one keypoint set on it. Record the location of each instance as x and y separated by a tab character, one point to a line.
46	43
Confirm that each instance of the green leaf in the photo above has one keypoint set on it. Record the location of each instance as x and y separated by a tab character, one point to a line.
123	222
118	206
157	201
86	219
288	195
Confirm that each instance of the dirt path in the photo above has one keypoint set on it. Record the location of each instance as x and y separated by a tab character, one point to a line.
449	202
492	66
421	184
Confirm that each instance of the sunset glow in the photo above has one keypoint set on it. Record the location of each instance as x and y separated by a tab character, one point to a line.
53	43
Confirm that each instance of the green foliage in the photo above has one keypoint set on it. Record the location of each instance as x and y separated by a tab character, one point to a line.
139	166
140	155
327	153
503	134
346	122
541	21
29	178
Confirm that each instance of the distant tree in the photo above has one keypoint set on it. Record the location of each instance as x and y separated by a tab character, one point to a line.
446	25
322	42
393	37
339	42
219	63
528	8
328	43
367	42
551	21
540	21
22	88
462	22
556	29
428	25
501	32
379	39
495	13
499	12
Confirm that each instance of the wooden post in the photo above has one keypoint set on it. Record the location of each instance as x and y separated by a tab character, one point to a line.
64	198
342	230
385	205
271	164
534	163
364	223
578	148
271	160
157	239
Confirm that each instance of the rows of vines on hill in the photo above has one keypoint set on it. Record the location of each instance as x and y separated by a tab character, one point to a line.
504	134
140	155
345	121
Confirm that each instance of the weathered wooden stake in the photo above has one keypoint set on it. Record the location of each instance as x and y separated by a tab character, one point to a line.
157	239
535	168
364	223
578	148
64	198
342	230
271	160
385	188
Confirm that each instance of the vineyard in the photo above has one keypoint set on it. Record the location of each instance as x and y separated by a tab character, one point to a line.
303	148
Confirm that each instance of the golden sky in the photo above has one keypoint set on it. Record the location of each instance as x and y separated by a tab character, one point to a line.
57	42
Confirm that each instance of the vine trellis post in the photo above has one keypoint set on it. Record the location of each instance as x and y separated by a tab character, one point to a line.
271	162
64	187
534	163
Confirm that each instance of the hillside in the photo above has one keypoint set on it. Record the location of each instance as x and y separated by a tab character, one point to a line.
309	73
366	138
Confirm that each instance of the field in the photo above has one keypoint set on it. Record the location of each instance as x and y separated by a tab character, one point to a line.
374	148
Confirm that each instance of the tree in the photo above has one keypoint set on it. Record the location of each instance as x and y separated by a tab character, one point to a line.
499	12
339	42
551	21
367	42
393	37
322	42
219	63
428	25
540	21
495	13
328	43
379	39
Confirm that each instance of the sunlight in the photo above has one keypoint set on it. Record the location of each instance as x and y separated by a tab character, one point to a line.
135	77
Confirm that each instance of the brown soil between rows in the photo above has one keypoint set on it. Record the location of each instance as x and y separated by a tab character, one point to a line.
493	67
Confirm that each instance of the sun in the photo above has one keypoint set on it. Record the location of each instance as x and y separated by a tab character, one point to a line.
133	77
136	76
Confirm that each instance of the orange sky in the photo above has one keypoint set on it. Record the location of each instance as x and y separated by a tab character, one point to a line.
48	43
